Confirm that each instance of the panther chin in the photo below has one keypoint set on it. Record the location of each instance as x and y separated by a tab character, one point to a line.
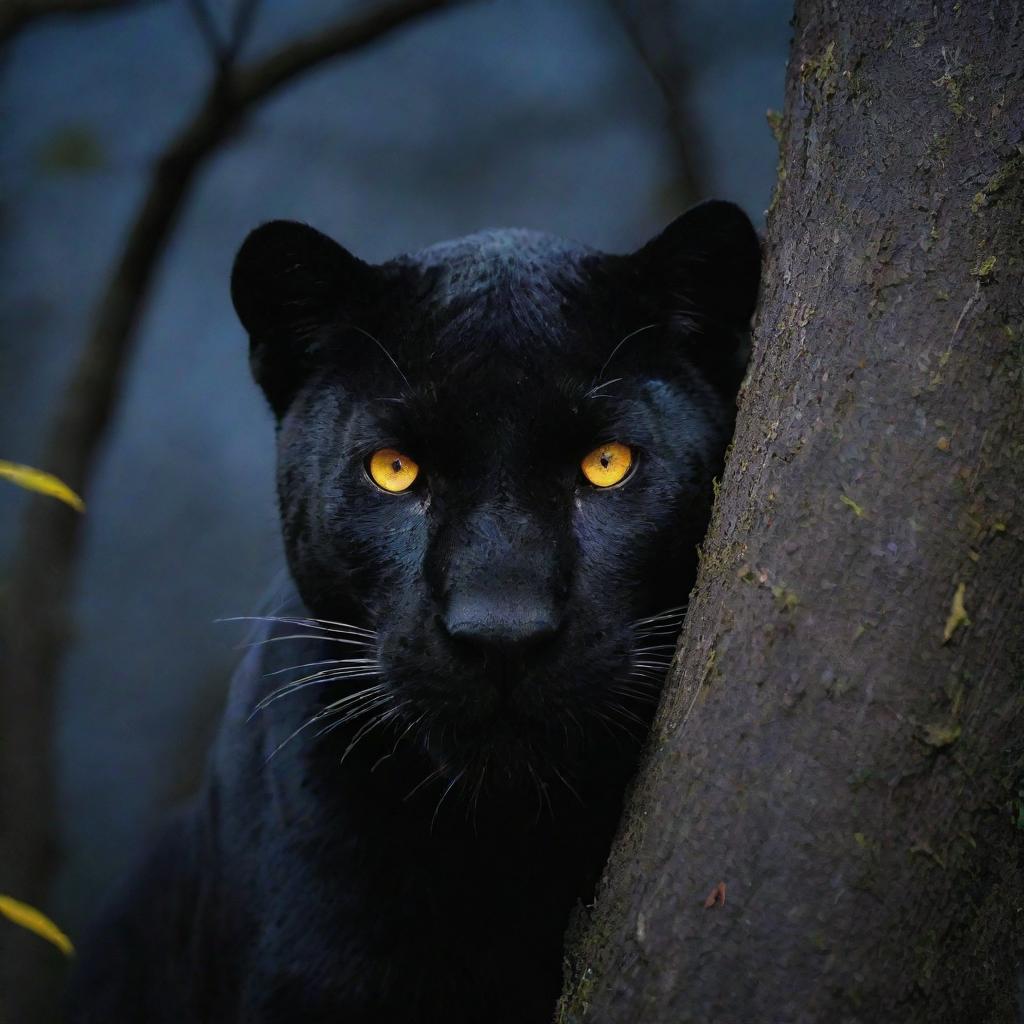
526	729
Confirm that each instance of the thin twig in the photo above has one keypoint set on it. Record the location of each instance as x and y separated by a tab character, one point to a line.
208	31
16	15
649	28
241	26
224	51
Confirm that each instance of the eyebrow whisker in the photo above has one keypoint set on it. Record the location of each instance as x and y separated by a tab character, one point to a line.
390	357
615	351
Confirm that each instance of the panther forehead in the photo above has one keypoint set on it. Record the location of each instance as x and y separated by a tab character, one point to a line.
523	274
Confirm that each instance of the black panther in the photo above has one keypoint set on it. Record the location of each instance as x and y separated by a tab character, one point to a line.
495	466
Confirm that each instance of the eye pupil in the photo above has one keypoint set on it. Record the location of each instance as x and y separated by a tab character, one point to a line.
606	460
396	466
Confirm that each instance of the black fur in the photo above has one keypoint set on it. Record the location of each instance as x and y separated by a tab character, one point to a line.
429	876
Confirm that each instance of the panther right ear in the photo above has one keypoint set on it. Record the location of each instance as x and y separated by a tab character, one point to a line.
291	285
705	266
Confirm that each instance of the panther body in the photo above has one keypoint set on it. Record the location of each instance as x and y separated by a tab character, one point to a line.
423	758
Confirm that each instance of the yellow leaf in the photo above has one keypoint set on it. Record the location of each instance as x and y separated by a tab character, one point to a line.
44	483
30	918
938	735
957	614
852	505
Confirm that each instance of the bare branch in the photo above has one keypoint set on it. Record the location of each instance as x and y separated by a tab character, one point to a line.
648	25
241	26
208	30
18	14
224	51
263	77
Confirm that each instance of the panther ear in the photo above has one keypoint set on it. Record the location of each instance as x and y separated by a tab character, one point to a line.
290	286
705	266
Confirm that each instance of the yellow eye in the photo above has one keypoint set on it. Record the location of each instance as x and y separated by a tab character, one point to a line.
607	465
392	471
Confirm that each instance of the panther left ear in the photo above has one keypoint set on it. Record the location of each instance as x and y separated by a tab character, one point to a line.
705	266
290	285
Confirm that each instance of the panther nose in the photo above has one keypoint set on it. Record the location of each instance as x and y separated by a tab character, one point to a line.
508	627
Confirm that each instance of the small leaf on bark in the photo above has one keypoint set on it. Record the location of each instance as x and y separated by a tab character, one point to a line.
857	510
717	895
957	614
941	734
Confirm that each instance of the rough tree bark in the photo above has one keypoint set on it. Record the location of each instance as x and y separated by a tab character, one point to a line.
34	618
842	739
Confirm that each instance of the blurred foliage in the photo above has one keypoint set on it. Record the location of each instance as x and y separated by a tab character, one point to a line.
72	149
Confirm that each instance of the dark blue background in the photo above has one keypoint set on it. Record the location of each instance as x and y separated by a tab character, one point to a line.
532	113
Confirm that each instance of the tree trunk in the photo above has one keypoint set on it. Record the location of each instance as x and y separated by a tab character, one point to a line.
841	743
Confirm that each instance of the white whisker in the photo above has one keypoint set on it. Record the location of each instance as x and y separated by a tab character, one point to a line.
615	351
565	782
436	773
592	393
679	610
448	789
368	727
308	664
292	620
661	628
373	704
304	636
319	677
343	702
